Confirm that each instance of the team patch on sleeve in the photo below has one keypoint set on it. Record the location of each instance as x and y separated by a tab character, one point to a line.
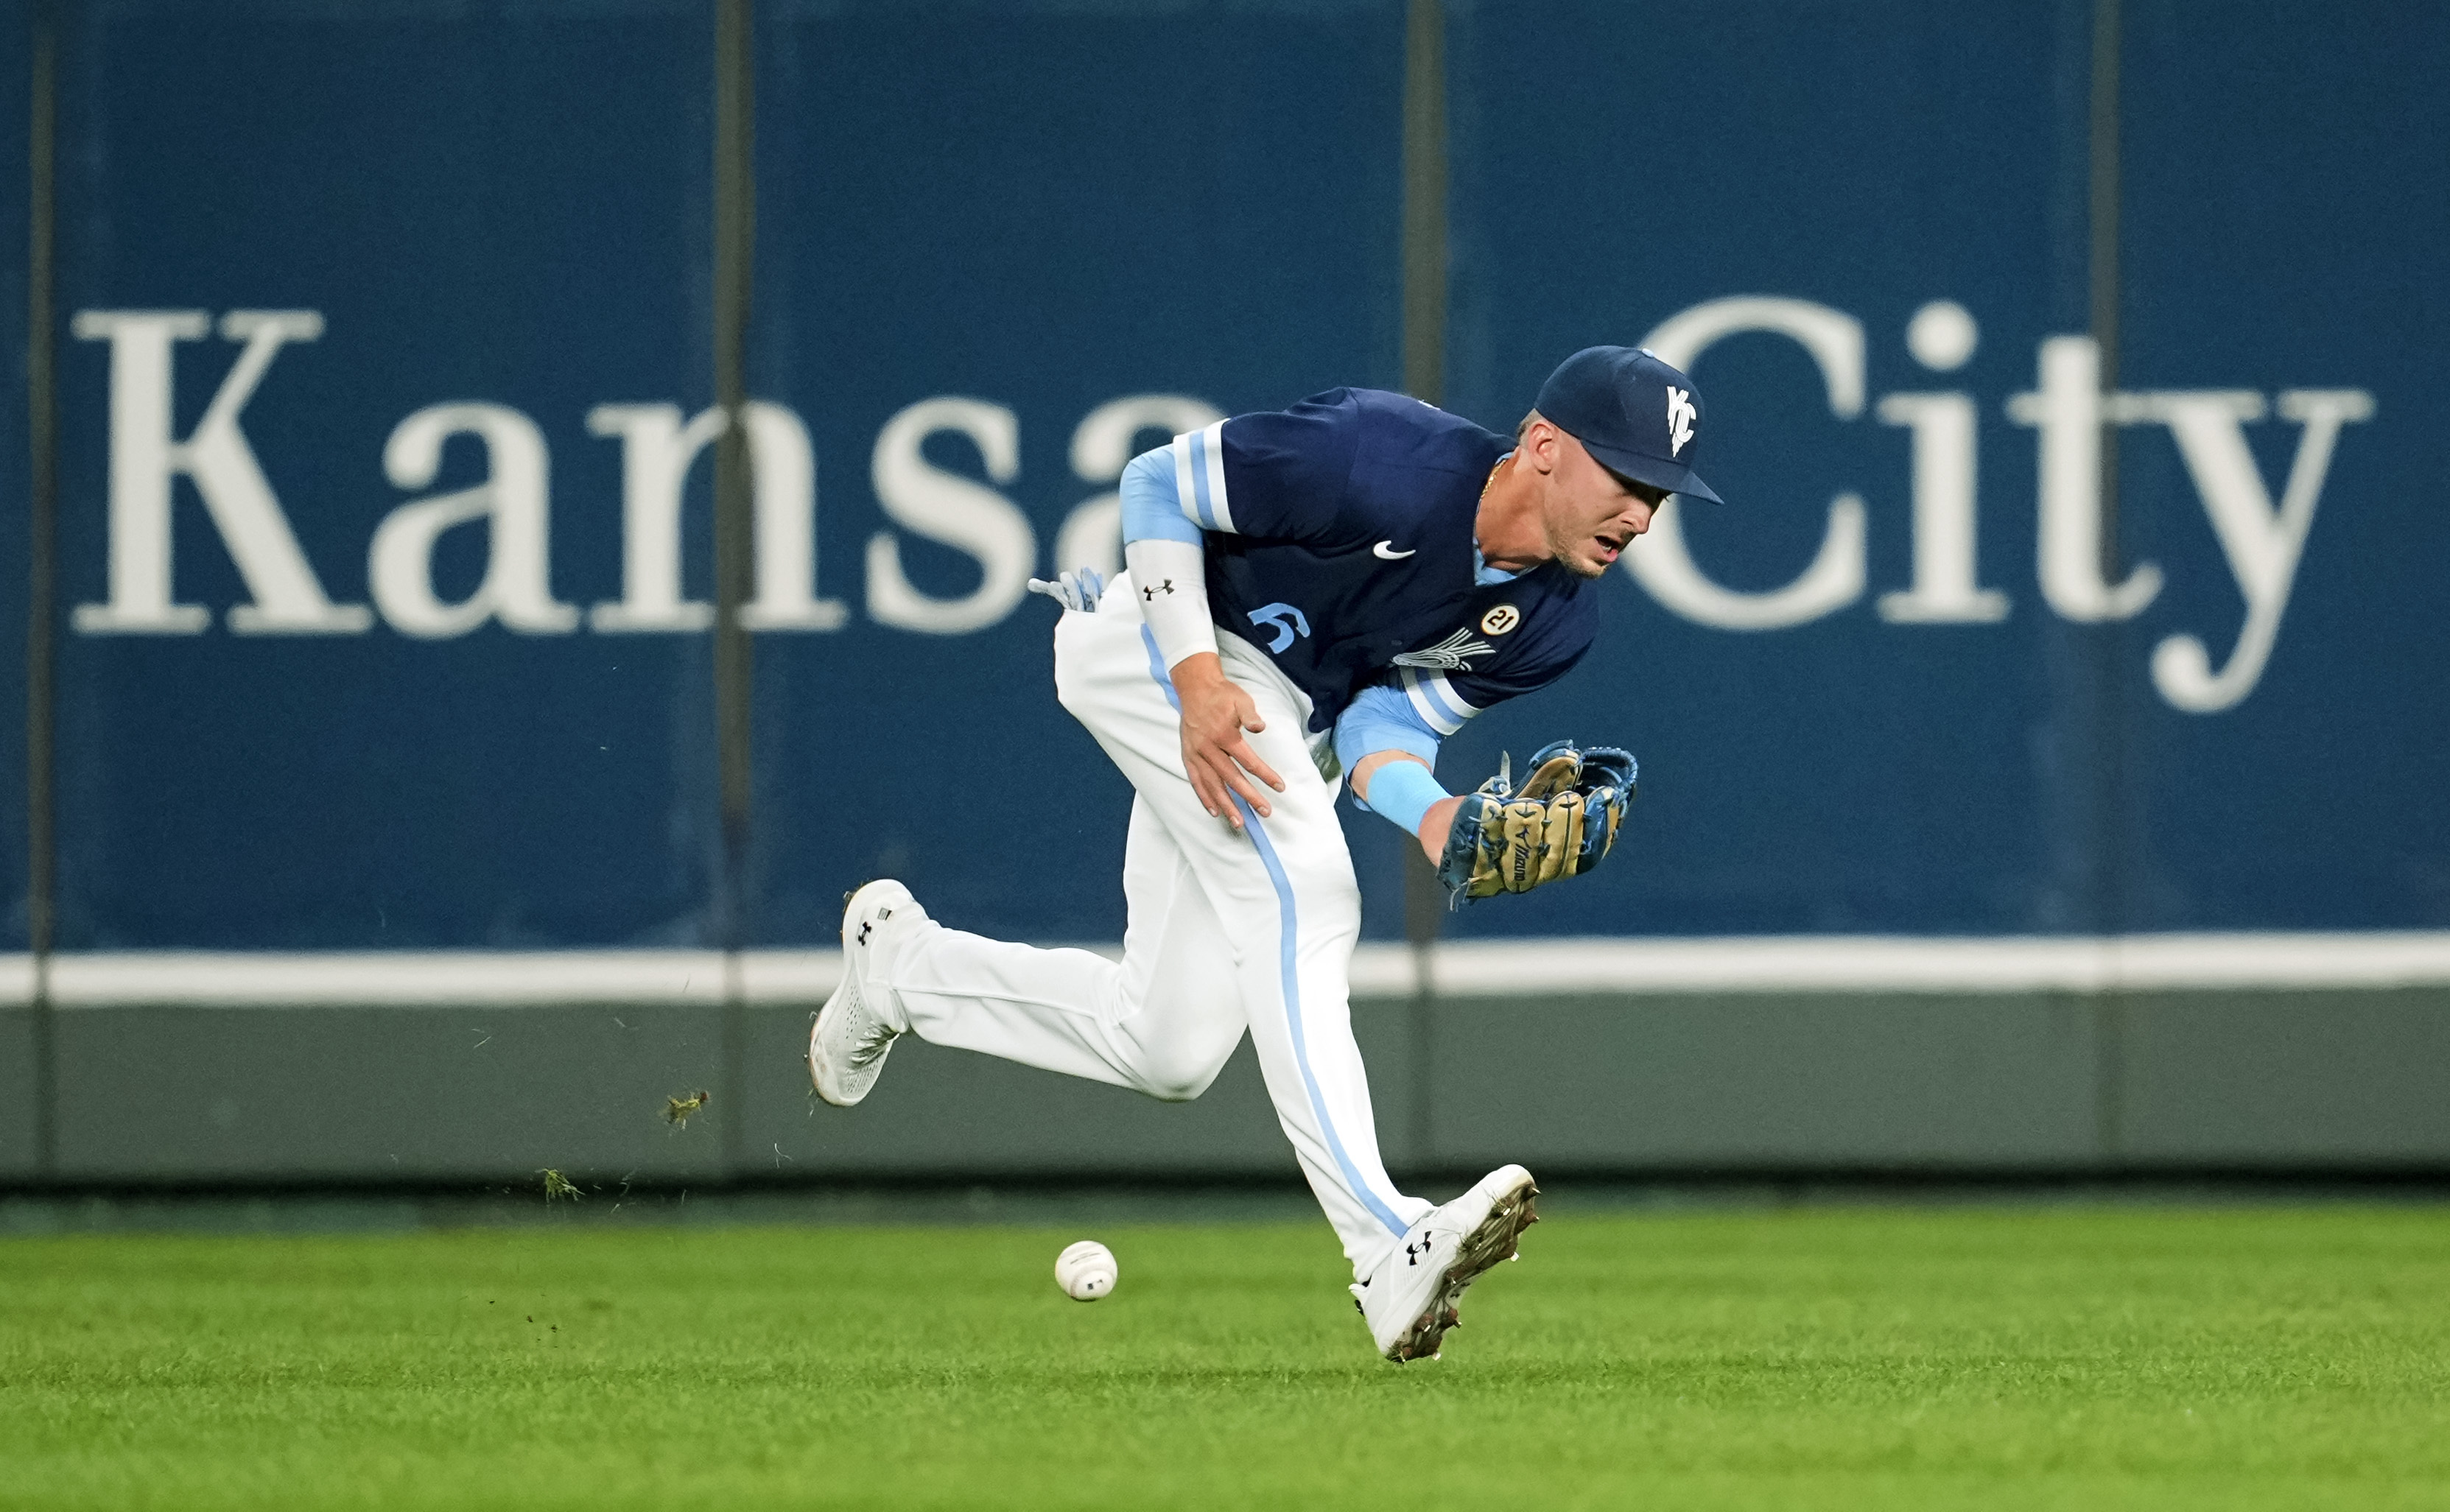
1200	477
1454	653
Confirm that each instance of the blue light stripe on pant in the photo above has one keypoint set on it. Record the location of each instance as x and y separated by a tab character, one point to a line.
1288	938
1288	949
1156	668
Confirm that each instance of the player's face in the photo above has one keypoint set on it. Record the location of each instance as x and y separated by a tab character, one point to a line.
1593	515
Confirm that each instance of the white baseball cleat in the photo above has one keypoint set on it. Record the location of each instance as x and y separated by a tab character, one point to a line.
846	1048
1408	1301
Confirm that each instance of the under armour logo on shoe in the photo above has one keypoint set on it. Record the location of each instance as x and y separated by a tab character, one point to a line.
1415	1254
1680	418
863	927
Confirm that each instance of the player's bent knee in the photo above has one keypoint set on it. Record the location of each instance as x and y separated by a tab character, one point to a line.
1182	1076
1181	1088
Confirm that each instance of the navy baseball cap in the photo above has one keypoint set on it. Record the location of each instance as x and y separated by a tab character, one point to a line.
1638	415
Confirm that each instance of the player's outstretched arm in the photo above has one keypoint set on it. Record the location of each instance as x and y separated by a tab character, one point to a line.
1218	719
1167	554
1404	791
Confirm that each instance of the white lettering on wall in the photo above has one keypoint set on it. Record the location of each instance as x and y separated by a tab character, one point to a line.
2264	543
287	598
783	467
1660	560
2069	410
512	501
656	451
1941	336
1092	535
951	508
1943	590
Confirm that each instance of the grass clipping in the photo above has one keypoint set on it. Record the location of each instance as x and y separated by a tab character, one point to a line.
558	1185
678	1110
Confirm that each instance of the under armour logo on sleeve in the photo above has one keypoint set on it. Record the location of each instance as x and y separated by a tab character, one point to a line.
1151	593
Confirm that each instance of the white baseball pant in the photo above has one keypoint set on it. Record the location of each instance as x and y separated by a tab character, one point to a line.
1226	932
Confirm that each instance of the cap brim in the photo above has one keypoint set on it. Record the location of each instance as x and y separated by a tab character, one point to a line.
1673	476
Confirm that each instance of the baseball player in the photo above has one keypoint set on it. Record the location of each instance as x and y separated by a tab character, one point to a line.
1324	591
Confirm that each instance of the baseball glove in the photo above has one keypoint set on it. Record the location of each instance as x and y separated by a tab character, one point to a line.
1562	823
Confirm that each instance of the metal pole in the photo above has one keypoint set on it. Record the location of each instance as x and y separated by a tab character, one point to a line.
734	565
1425	200
2109	1012
42	396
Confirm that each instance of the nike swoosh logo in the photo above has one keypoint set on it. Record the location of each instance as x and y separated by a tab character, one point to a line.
1392	556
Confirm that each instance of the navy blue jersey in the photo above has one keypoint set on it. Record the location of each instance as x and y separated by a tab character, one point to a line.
1340	541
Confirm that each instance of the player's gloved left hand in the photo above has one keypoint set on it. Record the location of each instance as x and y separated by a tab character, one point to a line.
1077	590
1562	823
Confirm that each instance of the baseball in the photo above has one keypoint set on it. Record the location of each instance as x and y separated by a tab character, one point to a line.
1085	1270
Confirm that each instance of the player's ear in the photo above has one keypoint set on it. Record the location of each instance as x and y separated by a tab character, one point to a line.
1542	443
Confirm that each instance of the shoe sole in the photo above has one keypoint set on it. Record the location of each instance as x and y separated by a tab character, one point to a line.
816	1074
1497	1237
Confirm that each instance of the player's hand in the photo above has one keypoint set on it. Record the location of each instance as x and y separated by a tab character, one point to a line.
1215	754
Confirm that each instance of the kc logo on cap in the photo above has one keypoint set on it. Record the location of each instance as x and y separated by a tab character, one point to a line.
1680	419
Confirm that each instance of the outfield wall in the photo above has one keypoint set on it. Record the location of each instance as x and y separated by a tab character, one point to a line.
2072	374
1967	1058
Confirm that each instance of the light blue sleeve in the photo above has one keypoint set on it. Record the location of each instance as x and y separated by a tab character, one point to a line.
1152	501
1404	793
1382	719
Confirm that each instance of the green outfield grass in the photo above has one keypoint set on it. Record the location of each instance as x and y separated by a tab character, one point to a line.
1808	1358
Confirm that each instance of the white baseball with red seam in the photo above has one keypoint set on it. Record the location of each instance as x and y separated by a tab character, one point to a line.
1085	1270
